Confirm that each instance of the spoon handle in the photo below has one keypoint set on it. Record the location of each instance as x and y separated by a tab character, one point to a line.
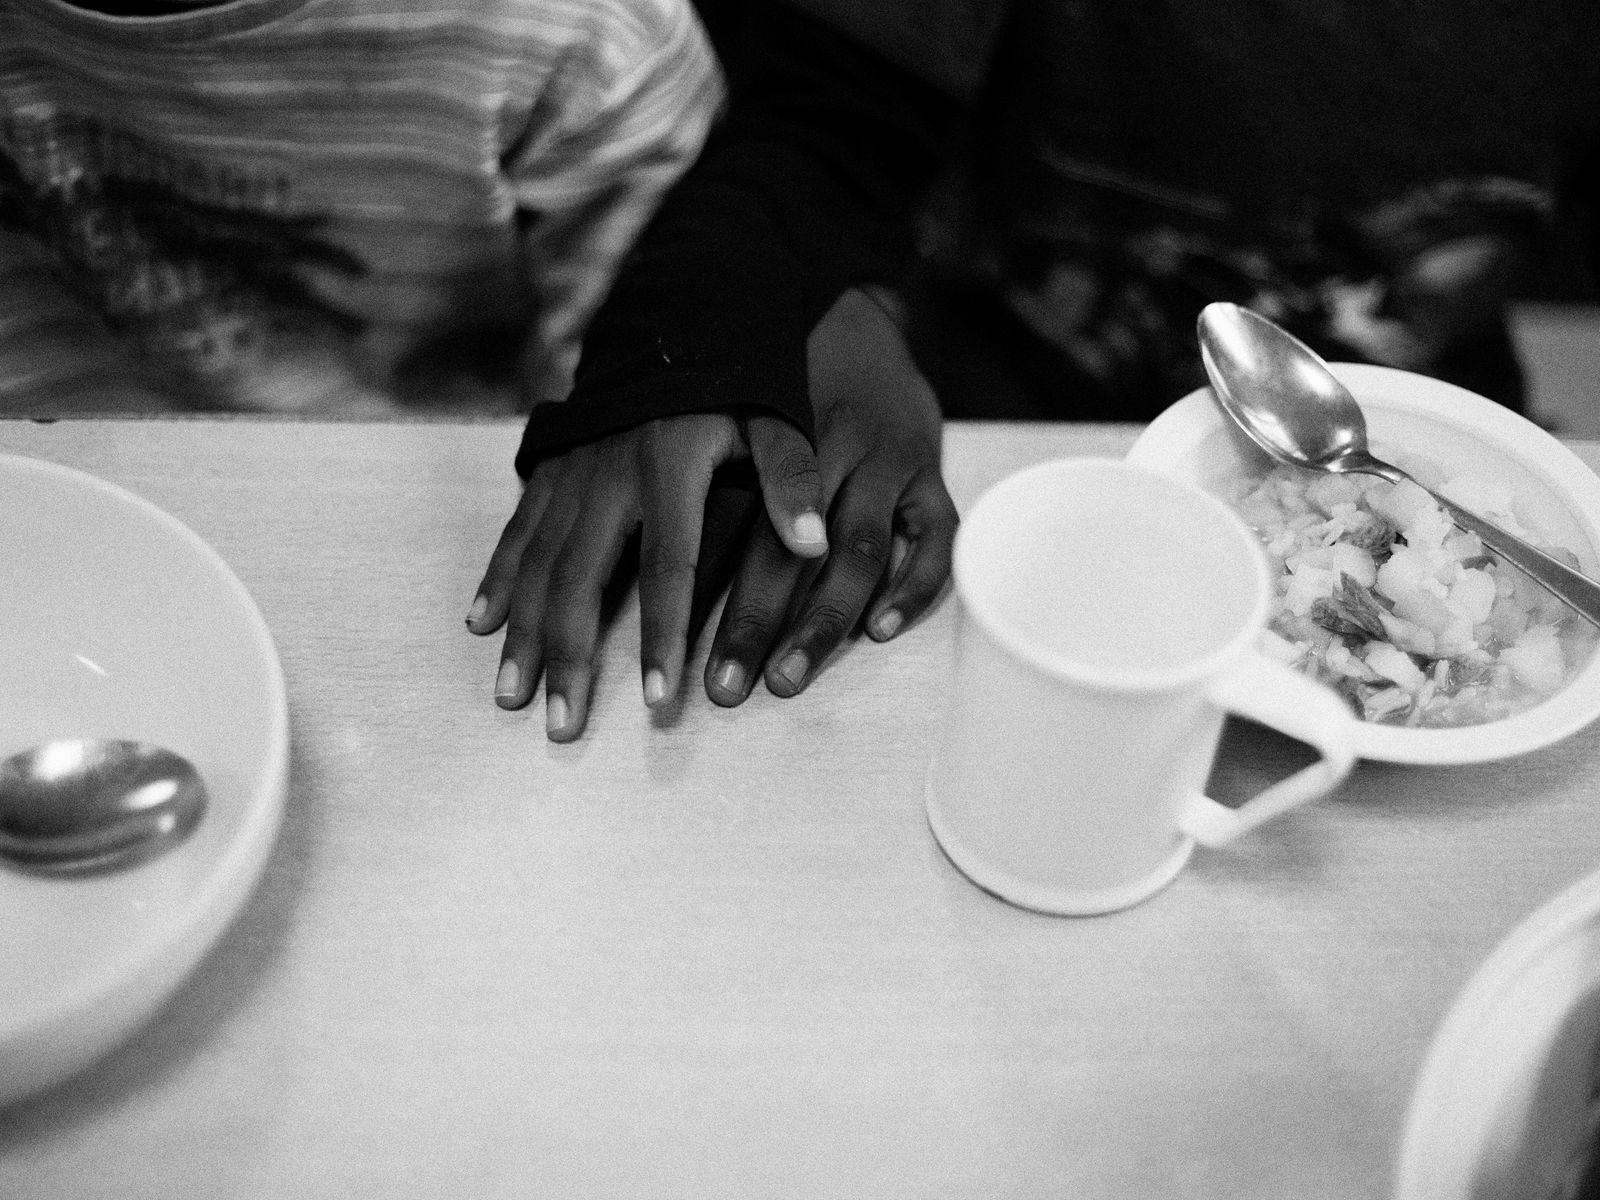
1575	589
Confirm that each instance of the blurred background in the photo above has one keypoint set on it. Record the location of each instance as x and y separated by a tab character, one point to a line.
1560	345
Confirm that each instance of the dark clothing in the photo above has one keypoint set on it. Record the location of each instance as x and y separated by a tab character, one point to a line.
804	189
1340	165
1378	175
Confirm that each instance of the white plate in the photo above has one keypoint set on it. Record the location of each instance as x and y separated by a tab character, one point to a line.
1506	1101
1557	496
116	620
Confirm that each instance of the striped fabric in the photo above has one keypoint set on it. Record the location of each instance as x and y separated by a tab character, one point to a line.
340	206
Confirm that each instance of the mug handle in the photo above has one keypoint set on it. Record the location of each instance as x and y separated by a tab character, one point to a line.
1280	697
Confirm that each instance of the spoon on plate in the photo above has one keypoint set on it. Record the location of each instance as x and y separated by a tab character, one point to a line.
1282	394
81	805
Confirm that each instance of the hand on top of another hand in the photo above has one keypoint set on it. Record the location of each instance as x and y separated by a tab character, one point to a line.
578	511
876	473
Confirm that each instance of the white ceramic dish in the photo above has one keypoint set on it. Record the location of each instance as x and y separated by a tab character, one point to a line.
1508	1098
116	620
1557	496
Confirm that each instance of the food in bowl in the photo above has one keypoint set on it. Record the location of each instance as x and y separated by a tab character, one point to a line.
1557	495
1411	619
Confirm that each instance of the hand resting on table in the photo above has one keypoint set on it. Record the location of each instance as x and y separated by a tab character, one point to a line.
797	593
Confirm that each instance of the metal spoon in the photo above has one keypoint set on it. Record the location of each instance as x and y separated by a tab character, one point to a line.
1281	393
84	805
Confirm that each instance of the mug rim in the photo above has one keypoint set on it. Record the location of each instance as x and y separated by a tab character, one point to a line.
1061	665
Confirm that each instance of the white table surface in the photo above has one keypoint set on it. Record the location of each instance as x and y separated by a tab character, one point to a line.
725	958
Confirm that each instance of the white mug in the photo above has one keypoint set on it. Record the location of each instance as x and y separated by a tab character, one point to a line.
1109	621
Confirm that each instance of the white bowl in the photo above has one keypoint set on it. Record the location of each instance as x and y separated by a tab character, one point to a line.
1557	496
117	621
1507	1101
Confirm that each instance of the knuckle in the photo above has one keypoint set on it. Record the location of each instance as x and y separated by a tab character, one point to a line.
748	628
827	624
568	576
744	624
660	563
865	549
661	623
543	546
794	467
562	660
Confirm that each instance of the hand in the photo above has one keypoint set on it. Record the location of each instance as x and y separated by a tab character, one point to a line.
579	510
891	522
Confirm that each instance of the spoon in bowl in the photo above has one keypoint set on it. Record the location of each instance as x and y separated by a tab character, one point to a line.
77	806
1282	394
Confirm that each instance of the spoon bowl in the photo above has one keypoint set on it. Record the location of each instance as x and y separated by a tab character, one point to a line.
1287	401
84	805
1279	391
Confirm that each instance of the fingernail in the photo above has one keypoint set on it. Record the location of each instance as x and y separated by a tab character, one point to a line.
730	677
899	547
479	607
809	530
655	687
555	714
889	624
505	683
794	666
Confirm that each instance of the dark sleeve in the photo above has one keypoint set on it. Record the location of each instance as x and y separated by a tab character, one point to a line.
805	188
